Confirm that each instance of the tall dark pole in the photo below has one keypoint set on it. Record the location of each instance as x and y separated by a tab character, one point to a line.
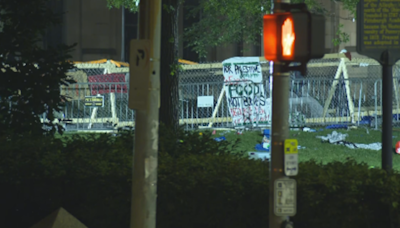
387	116
279	131
123	34
387	56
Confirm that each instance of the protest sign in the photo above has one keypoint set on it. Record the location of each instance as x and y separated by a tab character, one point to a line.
245	91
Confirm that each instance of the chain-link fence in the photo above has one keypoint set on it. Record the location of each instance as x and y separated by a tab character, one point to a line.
334	91
109	82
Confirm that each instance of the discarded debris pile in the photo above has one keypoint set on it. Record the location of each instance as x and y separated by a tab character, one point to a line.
339	139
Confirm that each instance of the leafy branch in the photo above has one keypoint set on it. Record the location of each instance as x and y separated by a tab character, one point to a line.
132	5
340	36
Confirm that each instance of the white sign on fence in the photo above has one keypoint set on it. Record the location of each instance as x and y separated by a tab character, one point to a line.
245	92
205	101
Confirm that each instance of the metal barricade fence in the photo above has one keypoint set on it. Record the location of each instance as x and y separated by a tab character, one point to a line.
99	78
327	95
115	111
319	102
313	102
193	116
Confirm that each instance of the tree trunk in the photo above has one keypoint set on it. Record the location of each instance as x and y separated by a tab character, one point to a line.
169	109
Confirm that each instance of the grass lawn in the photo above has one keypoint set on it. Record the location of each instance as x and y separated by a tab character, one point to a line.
325	152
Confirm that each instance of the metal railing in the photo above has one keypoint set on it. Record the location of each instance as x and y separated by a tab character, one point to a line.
313	102
327	95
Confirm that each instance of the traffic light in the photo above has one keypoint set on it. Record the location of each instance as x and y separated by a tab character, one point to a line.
294	36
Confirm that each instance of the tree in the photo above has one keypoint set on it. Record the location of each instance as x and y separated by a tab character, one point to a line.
132	5
30	76
230	21
225	21
169	108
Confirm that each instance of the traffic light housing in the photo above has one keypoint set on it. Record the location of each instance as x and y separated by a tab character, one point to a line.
294	36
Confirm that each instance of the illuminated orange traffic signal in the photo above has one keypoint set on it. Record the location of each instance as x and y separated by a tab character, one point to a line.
288	38
294	36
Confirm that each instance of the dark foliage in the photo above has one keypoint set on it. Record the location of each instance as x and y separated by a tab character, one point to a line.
169	70
30	76
199	185
177	142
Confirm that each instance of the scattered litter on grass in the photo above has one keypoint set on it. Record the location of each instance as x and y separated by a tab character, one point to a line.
301	147
260	155
225	132
339	139
307	129
219	139
337	126
371	146
265	144
334	137
214	132
260	147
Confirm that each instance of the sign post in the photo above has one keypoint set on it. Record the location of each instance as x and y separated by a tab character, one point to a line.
144	97
291	165
291	35
140	77
94	101
378	26
285	197
279	133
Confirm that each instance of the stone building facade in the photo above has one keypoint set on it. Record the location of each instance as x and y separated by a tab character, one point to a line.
98	31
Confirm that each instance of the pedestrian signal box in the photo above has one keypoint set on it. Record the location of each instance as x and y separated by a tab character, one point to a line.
294	36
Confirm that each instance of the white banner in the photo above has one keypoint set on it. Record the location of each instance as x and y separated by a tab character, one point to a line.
245	92
242	69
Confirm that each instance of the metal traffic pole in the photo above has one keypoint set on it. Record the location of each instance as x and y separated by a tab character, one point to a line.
387	55
291	34
144	97
123	34
279	131
387	116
